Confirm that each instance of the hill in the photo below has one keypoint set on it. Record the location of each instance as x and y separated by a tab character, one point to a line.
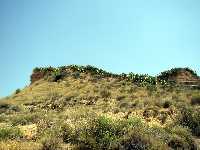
83	107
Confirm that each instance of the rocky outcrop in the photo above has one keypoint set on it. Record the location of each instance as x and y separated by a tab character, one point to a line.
37	76
184	76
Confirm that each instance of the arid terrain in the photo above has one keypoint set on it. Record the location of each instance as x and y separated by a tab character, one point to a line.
83	107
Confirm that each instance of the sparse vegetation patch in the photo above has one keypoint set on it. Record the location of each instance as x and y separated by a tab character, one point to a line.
84	107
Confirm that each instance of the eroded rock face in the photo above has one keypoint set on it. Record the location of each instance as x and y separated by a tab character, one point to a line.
37	76
183	76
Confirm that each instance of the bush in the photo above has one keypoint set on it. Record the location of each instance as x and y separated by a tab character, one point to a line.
106	131
10	133
150	112
67	133
132	133
8	108
138	135
4	108
135	141
195	101
19	145
191	119
124	105
57	102
56	76
105	93
176	143
25	119
51	143
151	88
119	98
100	133
2	118
138	141
167	104
76	75
36	69
180	138
163	117
17	91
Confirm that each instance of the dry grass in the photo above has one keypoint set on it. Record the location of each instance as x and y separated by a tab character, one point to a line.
76	100
19	145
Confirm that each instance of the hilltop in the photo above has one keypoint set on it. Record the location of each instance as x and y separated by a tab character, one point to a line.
175	75
83	107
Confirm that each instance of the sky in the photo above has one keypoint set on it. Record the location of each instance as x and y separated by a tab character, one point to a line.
140	36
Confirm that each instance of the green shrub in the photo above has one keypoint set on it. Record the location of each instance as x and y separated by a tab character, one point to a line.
138	135
191	119
67	133
119	98
167	104
139	79
163	117
2	118
151	88
8	108
4	107
51	143
132	133
17	91
56	76
139	141
76	75
116	110
99	133
36	69
105	93
150	112
10	133
124	105
176	143
195	100
25	119
135	141
105	131
180	138
56	101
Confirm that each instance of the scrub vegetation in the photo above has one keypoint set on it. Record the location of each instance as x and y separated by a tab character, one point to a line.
83	107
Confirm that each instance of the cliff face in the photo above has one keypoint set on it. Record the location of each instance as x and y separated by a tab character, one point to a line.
37	76
185	77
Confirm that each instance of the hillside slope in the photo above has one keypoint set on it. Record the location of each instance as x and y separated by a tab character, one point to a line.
77	107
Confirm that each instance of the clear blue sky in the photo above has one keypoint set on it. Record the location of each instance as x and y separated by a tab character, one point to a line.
142	36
